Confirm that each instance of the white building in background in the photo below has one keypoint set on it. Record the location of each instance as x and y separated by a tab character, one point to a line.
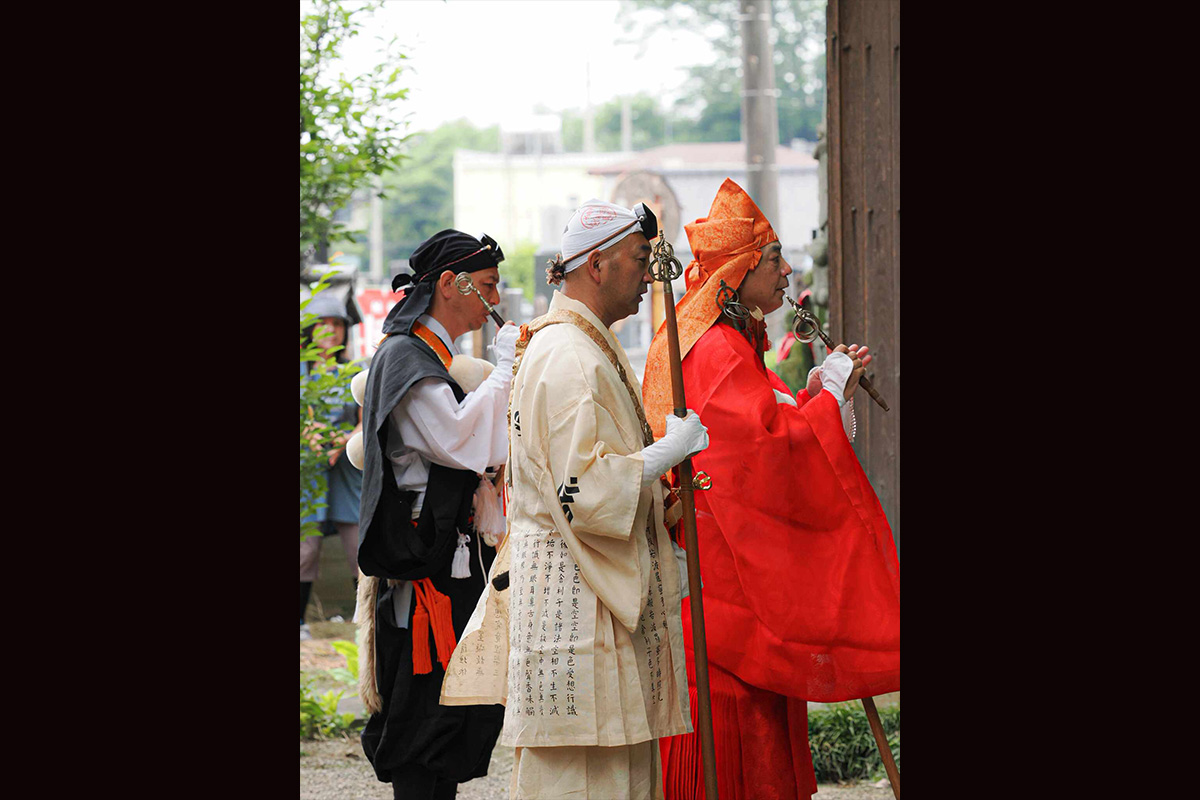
528	192
528	196
522	197
695	171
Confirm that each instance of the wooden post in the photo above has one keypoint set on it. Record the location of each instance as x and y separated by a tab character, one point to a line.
885	751
708	753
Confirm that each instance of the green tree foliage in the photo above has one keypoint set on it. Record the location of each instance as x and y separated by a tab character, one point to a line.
794	369
348	132
419	200
518	269
710	108
649	125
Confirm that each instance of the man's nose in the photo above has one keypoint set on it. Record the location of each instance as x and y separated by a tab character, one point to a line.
787	268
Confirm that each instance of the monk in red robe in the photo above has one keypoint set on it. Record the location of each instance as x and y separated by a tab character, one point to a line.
801	579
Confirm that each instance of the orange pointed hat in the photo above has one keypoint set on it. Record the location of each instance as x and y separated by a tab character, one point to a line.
725	246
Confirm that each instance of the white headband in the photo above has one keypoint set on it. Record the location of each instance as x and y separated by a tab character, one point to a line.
590	225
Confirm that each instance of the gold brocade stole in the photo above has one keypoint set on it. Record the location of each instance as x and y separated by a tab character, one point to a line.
579	321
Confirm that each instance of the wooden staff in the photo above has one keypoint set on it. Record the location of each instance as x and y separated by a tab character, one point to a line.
665	268
885	751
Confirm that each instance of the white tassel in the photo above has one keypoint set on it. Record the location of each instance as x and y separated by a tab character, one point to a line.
489	518
461	566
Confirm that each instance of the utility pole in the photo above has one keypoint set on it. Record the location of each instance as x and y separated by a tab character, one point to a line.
377	269
589	123
760	119
626	125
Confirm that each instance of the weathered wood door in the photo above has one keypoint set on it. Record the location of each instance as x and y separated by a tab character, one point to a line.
863	73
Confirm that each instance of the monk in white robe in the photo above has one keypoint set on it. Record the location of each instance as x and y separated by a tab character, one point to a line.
595	669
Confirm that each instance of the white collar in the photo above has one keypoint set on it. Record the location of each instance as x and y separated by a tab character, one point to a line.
440	330
561	301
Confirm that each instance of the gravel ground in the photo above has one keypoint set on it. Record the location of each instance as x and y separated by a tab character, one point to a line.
338	770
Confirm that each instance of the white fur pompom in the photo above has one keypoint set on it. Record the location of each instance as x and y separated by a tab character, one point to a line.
354	450
469	372
358	386
489	518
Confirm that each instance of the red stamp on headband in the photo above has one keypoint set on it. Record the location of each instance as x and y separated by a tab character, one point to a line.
595	216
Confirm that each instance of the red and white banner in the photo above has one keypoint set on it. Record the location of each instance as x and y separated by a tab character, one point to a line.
374	305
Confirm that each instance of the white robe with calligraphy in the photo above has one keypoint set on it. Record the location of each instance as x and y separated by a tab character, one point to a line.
595	639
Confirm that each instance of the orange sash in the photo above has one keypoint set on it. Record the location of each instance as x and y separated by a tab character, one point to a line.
437	345
433	611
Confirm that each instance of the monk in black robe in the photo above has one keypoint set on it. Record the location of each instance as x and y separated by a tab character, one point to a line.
428	443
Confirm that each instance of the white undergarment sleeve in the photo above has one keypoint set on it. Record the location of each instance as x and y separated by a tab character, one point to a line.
401	603
681	560
471	435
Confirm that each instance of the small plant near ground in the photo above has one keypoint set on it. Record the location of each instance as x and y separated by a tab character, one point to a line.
319	717
843	747
349	673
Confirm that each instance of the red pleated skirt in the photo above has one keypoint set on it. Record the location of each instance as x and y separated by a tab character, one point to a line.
761	739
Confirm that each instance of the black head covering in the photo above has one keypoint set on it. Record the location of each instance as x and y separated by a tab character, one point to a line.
448	249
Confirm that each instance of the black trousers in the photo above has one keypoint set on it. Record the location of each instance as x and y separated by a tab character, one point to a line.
422	748
414	782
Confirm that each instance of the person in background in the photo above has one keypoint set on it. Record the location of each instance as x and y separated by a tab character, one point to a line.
340	516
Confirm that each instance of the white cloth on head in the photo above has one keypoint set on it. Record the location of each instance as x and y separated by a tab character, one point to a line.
591	224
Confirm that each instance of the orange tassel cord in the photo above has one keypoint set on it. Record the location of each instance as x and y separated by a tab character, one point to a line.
433	612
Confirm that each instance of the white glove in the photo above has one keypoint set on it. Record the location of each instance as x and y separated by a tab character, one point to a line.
505	345
834	374
684	437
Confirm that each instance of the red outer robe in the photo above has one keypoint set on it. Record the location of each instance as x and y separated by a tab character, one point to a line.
801	580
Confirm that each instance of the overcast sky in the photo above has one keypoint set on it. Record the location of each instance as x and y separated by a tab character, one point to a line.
494	61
